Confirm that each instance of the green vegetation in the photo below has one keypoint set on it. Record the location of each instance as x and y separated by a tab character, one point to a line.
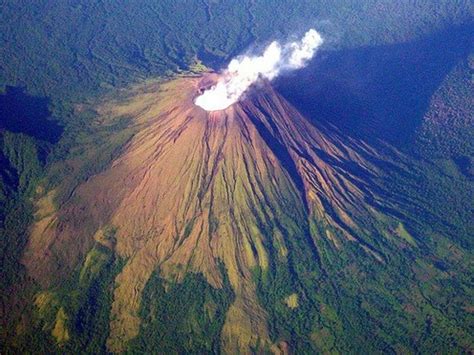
75	316
81	47
182	317
448	128
19	175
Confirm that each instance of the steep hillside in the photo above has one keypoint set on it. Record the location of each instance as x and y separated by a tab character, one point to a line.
284	226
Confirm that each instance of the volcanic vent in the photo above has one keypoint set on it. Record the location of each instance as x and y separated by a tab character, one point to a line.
227	194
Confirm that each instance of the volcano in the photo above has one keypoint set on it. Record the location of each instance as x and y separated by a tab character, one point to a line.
256	199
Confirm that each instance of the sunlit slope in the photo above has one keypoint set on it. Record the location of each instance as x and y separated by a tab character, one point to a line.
242	195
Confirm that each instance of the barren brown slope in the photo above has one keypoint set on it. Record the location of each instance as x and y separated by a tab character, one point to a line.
194	189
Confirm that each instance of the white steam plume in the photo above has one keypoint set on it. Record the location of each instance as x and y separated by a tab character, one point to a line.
243	71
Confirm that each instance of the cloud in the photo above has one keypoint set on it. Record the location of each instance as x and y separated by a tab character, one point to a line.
245	70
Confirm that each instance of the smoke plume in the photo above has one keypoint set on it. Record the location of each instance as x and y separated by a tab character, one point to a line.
245	70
